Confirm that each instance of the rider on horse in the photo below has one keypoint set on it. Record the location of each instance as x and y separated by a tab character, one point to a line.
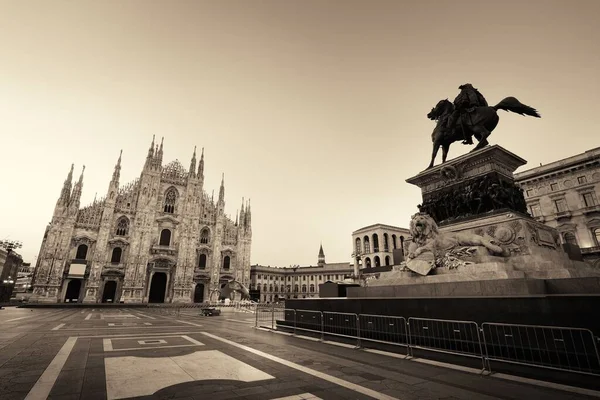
468	98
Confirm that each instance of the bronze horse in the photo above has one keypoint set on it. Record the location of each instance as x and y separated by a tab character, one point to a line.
480	122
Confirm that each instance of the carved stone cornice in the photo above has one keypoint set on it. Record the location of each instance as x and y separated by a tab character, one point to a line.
118	240
168	218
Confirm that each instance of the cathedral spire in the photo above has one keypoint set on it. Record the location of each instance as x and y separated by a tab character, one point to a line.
65	194
201	165
150	156
236	217
222	189
248	215
159	153
117	171
193	164
76	195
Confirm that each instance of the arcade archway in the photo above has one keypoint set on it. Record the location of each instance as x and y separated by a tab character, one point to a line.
73	290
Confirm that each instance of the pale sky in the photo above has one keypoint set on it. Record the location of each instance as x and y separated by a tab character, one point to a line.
316	110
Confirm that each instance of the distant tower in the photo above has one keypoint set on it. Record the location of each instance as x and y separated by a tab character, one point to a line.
321	257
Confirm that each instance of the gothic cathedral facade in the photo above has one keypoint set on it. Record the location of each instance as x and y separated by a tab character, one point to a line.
160	238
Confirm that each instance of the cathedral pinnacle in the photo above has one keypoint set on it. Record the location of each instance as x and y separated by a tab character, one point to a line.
193	164
117	171
222	190
201	165
321	255
65	194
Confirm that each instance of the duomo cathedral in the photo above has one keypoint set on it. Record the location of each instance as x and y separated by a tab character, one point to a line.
160	238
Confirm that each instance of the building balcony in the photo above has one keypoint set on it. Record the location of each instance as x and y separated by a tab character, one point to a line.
591	209
164	250
540	218
562	215
588	250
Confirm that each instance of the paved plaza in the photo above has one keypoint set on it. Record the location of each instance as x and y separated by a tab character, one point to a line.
130	353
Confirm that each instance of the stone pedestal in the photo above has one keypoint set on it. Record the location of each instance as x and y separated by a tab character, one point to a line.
475	194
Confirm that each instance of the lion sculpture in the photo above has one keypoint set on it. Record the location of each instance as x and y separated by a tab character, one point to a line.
430	248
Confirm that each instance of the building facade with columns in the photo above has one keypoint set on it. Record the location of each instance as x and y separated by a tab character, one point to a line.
374	245
160	238
279	283
564	195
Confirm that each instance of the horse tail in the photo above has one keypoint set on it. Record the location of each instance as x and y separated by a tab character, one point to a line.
514	105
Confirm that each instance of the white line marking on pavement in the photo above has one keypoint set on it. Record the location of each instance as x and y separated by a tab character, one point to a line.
318	374
57	327
146	316
16	319
386	353
137	334
239	320
190	323
88	316
43	386
558	386
303	396
107	344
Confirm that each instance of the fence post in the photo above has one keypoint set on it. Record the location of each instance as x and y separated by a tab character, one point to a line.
408	337
273	316
256	316
322	326
358	343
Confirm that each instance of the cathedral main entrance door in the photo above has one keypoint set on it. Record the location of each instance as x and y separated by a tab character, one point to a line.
73	289
110	290
158	287
199	293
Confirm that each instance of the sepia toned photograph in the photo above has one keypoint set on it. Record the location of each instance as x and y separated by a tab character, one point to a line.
299	199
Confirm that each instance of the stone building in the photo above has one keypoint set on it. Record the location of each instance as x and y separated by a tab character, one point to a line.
374	245
564	195
160	238
277	283
10	263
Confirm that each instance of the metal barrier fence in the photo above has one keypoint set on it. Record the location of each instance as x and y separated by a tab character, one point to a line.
559	348
571	349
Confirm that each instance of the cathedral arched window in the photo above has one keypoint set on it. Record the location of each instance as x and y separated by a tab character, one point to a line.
202	261
82	250
226	262
122	226
358	246
205	236
165	238
170	200
367	245
115	258
375	243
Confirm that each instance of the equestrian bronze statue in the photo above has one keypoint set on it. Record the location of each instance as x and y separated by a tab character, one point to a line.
469	116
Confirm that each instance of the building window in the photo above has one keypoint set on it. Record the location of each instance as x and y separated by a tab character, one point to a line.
226	262
529	192
170	199
367	245
303	288
387	261
588	199
394	242
122	226
205	236
368	262
115	258
312	288
570	238
553	186
385	242
202	262
312	277
535	210
82	250
296	288
581	179
596	233
165	238
375	243
561	205
265	287
358	246
304	278
377	261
